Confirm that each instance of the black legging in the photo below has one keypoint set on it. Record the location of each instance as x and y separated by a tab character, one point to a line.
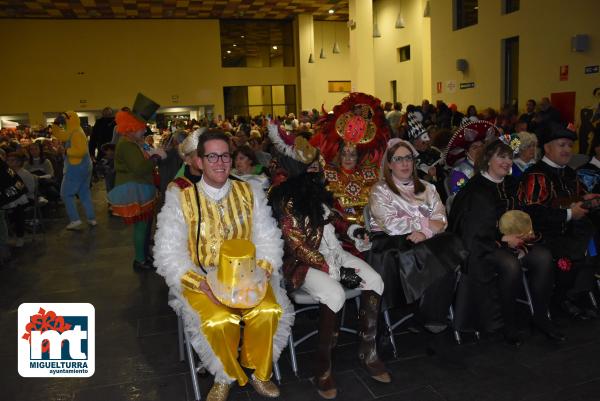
18	219
540	274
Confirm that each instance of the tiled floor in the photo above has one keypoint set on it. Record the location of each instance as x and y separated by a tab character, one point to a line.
136	334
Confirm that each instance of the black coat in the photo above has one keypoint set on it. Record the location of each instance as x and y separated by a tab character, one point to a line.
474	217
545	193
542	190
594	214
101	133
591	167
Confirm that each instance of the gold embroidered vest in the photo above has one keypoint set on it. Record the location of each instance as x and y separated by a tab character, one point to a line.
228	218
351	190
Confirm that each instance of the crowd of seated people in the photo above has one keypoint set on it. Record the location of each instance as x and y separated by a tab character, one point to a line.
502	225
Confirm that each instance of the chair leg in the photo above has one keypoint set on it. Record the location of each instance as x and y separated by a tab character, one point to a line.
180	340
193	373
388	323
277	372
593	299
528	294
292	349
456	332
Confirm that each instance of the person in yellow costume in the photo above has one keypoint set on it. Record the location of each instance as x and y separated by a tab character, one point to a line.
78	168
194	223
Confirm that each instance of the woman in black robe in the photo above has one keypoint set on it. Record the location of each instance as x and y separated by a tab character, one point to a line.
492	279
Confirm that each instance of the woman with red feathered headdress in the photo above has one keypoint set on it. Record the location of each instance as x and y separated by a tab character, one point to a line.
352	141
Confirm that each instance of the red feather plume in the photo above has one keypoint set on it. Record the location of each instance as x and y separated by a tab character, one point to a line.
328	141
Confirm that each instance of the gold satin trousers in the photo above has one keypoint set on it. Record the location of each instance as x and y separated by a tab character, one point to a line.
221	327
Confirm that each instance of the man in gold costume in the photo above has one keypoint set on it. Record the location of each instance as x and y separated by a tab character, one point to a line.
193	225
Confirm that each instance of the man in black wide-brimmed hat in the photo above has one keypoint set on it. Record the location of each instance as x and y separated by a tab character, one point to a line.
553	196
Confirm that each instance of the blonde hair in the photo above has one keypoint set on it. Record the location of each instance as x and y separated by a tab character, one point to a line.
527	140
189	144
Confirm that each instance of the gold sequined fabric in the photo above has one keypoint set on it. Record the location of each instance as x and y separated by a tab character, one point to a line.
218	392
265	388
191	280
228	218
301	246
351	190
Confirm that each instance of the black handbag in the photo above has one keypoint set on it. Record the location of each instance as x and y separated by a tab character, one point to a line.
12	186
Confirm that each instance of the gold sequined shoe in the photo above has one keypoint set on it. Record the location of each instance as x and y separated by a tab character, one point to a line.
218	392
265	388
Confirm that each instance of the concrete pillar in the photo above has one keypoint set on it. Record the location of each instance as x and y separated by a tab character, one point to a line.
306	70
362	63
426	55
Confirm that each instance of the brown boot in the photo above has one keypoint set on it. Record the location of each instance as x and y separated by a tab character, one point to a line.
323	376
367	350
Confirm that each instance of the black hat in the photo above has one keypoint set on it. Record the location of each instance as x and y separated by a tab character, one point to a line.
552	131
416	129
144	108
108	146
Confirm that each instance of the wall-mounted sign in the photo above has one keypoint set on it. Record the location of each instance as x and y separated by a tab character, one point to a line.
339	86
438	86
467	85
592	69
451	86
564	73
175	98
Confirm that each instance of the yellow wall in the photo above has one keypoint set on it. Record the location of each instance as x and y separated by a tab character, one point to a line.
544	28
335	67
413	77
162	58
118	59
362	63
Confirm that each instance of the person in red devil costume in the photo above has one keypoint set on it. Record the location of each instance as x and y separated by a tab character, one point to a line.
352	140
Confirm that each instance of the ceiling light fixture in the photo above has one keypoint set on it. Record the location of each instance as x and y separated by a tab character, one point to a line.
427	10
322	53
336	47
331	11
311	59
400	21
376	32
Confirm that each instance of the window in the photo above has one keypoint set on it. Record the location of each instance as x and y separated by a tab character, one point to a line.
511	70
465	13
404	53
257	43
275	100
510	6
